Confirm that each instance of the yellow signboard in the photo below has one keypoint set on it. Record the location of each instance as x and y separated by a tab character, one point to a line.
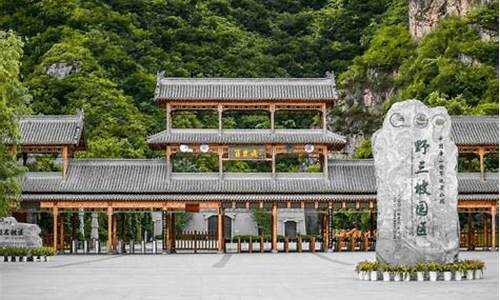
247	152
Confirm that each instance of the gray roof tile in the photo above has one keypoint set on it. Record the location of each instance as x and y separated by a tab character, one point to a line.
150	176
248	136
474	130
51	130
246	89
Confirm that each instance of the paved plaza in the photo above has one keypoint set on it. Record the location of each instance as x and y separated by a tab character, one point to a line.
226	276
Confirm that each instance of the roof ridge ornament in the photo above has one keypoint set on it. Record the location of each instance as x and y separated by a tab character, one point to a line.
160	75
331	75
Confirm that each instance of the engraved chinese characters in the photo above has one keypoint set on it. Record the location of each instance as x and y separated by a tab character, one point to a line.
415	163
17	234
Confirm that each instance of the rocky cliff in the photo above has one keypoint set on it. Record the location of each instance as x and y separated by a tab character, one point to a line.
424	15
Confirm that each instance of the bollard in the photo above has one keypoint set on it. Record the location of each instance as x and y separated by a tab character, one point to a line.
85	247
143	247
154	246
73	246
119	247
97	247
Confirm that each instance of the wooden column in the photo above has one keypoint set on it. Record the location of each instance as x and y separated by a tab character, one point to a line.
326	235
169	118
115	231
220	151
54	228
274	228
325	161
61	221
323	116
274	161
220	109
166	231
110	229
168	154
469	230
493	228
172	233
272	110
65	159
485	231
481	153
220	228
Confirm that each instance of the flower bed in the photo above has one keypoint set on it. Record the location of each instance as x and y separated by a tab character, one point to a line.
468	269
23	254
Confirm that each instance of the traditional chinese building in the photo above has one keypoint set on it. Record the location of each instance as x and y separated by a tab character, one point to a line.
221	201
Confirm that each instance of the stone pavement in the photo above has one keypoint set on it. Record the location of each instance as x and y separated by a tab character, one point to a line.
229	276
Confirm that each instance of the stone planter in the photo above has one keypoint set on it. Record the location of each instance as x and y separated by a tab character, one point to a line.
458	275
420	276
2	259
433	275
470	274
9	258
447	276
23	259
46	258
478	274
386	276
373	276
397	277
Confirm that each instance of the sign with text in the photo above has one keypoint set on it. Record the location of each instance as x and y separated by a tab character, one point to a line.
15	234
415	164
247	152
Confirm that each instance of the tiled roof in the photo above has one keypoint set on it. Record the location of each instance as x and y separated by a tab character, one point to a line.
150	176
250	136
246	89
51	130
474	130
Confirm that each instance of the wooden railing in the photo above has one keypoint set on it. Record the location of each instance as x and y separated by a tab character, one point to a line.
196	240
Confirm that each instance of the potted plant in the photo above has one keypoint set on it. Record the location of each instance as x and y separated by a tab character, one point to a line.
363	268
386	272
447	271
47	252
374	271
479	267
36	253
22	254
406	272
459	271
433	269
469	269
420	269
398	273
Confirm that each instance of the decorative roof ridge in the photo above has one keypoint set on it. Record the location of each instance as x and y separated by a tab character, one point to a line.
43	174
489	118
363	161
51	118
245	80
116	161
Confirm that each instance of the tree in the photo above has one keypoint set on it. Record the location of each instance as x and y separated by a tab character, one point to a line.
13	100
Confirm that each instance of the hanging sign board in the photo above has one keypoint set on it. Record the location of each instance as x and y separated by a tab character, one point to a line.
247	152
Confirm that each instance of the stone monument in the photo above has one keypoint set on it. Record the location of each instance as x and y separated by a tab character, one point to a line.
416	170
15	234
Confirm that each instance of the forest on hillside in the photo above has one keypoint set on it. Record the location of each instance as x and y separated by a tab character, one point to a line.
112	51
